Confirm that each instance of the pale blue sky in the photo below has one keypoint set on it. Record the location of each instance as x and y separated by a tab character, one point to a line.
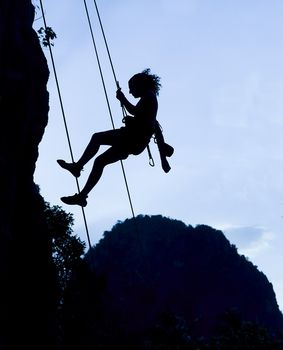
220	106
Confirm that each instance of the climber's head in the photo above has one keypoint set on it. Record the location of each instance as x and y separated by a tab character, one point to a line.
144	81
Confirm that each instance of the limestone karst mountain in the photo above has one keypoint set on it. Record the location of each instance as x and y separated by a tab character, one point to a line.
153	266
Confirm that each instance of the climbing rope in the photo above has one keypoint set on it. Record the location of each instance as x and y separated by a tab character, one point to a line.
103	83
105	93
63	114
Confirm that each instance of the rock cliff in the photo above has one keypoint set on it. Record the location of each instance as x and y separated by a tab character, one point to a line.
27	284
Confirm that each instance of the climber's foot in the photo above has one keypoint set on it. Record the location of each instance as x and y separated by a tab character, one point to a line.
72	167
75	199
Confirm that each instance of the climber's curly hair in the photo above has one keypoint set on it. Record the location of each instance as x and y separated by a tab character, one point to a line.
147	80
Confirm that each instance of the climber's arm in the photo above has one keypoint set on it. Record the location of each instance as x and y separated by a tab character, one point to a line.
124	102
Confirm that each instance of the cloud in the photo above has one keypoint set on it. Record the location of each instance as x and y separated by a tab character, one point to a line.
250	240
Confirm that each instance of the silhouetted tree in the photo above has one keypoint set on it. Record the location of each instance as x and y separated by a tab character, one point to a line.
172	333
67	248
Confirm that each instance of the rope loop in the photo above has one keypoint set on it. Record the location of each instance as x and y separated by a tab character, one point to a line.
151	160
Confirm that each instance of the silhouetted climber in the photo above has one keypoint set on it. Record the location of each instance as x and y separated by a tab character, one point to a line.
132	138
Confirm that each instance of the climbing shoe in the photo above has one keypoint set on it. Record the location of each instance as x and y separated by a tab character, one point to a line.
75	199
72	167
